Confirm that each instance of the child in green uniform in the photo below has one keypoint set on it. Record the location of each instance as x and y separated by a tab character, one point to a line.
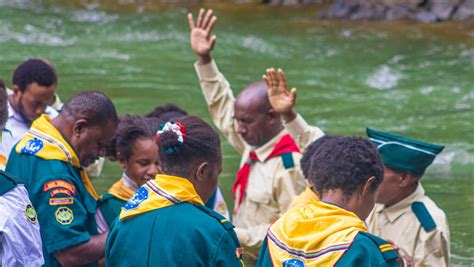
346	173
165	223
134	147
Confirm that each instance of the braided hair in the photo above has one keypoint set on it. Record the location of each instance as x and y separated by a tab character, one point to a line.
167	112
195	143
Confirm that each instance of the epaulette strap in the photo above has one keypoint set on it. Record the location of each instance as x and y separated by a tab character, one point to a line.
387	250
228	226
423	216
288	161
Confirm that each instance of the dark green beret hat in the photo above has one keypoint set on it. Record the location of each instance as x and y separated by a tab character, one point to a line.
403	153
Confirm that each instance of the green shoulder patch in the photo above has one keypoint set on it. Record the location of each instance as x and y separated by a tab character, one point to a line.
423	216
385	247
288	161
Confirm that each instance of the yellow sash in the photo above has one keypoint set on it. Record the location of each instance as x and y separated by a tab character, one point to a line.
45	141
163	191
120	191
317	234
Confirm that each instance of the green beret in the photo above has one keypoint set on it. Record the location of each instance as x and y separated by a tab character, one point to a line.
403	153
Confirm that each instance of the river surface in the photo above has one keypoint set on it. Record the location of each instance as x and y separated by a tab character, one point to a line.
407	78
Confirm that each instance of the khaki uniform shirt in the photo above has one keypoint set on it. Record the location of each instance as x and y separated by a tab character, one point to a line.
271	187
399	224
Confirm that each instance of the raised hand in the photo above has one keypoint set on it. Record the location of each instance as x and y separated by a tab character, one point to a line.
202	42
281	98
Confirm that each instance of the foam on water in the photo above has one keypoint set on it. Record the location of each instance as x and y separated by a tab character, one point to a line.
383	78
258	45
151	36
33	35
426	90
93	16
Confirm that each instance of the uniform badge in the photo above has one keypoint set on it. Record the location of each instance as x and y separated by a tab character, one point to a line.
221	207
32	147
140	195
56	201
30	213
64	215
293	263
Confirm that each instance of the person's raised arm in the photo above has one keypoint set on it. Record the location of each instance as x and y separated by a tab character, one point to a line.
202	42
283	101
216	89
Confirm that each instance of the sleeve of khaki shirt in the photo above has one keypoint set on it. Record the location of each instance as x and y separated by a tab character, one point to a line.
302	133
220	101
287	184
433	250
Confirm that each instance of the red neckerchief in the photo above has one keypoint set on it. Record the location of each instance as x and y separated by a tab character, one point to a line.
285	145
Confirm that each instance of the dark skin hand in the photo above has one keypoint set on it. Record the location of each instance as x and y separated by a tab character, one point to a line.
281	98
91	251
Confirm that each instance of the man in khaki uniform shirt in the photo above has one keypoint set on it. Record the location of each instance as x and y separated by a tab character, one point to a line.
404	214
250	125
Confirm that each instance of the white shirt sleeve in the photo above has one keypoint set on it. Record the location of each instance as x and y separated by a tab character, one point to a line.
20	239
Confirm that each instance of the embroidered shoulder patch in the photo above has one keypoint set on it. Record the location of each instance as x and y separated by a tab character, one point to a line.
60	191
56	201
30	213
33	146
293	263
140	195
59	184
222	207
64	215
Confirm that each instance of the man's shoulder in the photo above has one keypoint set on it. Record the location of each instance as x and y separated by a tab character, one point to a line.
429	215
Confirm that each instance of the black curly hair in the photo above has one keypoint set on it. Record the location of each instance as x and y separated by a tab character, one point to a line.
34	70
93	106
305	161
130	129
167	112
345	163
201	144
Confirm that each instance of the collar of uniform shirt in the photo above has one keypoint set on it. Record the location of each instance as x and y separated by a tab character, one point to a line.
264	151
395	211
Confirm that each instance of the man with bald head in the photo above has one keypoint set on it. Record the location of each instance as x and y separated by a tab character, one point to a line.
270	175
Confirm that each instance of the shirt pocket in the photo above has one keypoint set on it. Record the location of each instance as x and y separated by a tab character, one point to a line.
259	205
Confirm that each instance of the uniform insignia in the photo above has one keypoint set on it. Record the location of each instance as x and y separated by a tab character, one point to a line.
140	195
221	207
33	146
30	213
60	191
61	201
64	215
293	263
59	183
423	215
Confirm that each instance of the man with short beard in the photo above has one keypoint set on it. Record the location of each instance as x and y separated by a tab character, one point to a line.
34	85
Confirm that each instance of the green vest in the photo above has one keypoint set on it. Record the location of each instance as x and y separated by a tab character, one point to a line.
179	235
6	183
66	211
110	207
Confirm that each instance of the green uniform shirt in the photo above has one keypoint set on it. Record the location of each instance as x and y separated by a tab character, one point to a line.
110	207
66	211
366	250
179	235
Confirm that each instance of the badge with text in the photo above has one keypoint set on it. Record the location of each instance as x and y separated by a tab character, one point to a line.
64	215
56	201
30	213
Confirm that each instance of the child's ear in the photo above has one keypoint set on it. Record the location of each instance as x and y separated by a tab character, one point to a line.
122	160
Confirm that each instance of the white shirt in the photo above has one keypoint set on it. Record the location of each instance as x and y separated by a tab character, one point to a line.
15	129
20	239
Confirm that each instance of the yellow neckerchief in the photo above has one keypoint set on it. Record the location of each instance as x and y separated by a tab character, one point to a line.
163	191
317	234
303	198
45	141
120	191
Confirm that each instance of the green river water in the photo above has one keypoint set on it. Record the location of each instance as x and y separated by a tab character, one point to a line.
403	77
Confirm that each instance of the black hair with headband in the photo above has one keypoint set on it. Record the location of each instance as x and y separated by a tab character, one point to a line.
185	142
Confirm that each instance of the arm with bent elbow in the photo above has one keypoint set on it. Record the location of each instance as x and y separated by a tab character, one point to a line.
91	251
